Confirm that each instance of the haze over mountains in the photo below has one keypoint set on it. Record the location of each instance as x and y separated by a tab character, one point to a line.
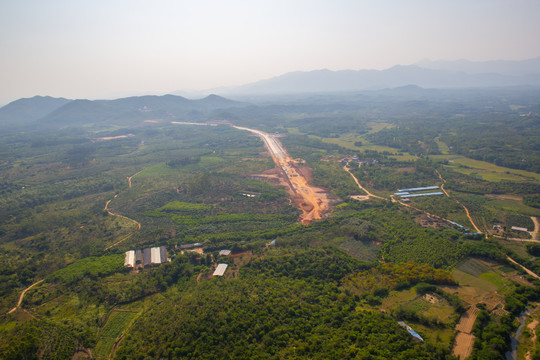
427	74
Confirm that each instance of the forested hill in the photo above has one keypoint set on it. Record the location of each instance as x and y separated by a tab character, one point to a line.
28	110
62	112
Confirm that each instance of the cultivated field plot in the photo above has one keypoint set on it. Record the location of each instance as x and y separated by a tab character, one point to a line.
485	170
117	322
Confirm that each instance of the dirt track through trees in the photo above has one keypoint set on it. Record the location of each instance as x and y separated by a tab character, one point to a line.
523	267
456	200
536	230
359	185
129	178
21	297
125	217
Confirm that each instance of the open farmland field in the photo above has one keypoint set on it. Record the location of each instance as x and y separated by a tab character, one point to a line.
485	170
117	323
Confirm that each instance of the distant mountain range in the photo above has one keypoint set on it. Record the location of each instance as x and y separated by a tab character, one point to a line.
409	79
426	74
502	67
60	112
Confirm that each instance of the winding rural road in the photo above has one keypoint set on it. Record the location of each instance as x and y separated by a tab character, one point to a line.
360	186
523	267
22	296
534	233
129	178
456	200
125	217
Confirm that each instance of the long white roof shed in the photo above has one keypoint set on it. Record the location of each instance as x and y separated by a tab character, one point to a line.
156	255
130	258
220	270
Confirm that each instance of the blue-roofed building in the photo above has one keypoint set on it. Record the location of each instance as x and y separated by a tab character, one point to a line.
409	329
419	189
402	193
423	194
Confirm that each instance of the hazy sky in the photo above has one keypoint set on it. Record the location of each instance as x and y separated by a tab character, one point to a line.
102	49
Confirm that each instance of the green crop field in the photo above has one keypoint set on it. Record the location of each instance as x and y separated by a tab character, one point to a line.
117	322
485	170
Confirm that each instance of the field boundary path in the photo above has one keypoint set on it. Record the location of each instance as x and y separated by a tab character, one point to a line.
523	267
463	343
21	297
534	233
129	177
456	200
360	186
125	217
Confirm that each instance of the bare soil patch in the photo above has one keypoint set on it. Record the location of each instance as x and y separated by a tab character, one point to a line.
464	338
426	221
505	197
406	169
82	354
463	345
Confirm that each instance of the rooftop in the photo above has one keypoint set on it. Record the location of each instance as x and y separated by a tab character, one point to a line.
220	270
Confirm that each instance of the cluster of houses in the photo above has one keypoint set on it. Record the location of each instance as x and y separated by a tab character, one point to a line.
357	160
146	257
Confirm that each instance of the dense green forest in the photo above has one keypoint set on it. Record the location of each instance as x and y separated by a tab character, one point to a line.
78	189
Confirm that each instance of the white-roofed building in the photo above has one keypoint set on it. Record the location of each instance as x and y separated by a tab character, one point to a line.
224	252
155	256
130	258
220	270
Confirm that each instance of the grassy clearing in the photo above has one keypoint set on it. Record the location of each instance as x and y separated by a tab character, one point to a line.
347	141
160	169
493	278
396	298
512	205
410	300
443	335
360	250
485	170
443	148
472	267
479	285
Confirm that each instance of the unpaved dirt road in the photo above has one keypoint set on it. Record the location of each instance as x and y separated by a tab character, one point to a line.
311	200
129	177
22	296
125	217
360	186
523	267
456	200
536	230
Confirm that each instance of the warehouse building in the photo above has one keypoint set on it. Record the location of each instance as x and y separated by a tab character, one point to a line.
147	257
419	189
423	194
163	254
220	270
130	258
156	256
138	257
